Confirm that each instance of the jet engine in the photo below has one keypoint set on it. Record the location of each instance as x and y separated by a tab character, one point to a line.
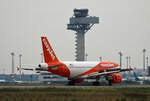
43	65
116	78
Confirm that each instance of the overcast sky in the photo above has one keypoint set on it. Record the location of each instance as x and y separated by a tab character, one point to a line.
124	26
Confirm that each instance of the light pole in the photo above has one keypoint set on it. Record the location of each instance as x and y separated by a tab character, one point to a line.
41	57
120	53
86	57
12	75
100	58
20	65
147	61
144	50
127	61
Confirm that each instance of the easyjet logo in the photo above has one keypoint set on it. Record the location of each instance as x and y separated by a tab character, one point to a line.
107	65
48	49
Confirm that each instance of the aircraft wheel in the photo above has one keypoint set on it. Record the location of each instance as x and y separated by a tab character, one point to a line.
95	83
71	83
110	83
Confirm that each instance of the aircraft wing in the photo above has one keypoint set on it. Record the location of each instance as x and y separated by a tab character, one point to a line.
31	68
103	73
38	68
34	69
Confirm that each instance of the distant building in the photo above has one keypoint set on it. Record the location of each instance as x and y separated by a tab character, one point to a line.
47	78
148	70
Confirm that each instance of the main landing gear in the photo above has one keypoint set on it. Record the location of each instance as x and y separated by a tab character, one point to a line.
96	83
109	79
109	82
71	83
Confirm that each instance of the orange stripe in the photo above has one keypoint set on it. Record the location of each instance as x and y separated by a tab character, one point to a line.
61	70
100	67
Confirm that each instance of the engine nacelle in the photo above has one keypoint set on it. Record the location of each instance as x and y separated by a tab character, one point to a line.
116	78
43	65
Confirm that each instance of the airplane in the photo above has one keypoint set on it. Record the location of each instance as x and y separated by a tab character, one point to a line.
141	78
78	71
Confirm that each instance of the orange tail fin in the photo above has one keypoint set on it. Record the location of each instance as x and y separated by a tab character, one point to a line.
49	55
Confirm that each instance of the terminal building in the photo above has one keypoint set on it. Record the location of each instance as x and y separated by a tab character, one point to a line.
46	77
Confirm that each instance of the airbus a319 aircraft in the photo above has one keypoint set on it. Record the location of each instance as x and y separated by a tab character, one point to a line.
77	71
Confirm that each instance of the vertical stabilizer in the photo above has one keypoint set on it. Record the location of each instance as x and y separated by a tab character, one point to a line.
49	55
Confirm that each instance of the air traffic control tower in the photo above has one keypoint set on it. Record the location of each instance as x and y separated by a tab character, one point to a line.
81	22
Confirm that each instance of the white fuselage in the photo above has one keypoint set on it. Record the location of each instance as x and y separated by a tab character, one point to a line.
76	68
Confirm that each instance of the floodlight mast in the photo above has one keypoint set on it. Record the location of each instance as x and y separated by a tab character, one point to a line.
20	55
12	75
81	23
120	53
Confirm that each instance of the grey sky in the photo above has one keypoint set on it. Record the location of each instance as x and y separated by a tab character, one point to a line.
124	25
